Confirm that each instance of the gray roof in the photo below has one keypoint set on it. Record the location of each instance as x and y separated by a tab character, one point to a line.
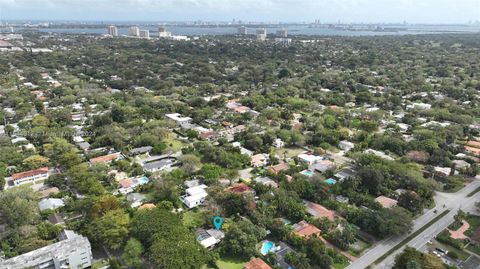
71	244
83	145
159	164
50	203
140	150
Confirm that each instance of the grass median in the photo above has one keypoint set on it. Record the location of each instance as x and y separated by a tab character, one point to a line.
473	192
410	237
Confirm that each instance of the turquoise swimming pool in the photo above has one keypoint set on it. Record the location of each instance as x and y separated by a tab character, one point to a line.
266	247
307	173
330	181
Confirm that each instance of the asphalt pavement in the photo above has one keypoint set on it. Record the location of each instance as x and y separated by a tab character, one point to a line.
443	201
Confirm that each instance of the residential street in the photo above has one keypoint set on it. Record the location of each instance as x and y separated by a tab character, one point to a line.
452	201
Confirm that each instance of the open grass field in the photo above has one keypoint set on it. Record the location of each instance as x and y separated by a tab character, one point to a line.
289	152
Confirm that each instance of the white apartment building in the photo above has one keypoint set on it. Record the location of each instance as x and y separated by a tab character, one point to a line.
134	31
72	251
113	30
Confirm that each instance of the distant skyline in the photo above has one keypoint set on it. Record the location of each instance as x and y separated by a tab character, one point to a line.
367	11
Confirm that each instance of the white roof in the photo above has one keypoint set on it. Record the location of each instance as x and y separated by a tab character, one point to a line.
178	117
196	190
208	242
50	203
193	198
309	157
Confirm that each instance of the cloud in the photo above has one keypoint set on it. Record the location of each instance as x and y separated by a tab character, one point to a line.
285	10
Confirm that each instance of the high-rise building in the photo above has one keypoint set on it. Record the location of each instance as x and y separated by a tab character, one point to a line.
144	33
282	33
261	34
134	31
162	32
242	30
113	30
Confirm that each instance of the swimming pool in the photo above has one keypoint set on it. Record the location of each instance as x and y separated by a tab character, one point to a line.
330	181
307	173
143	180
266	247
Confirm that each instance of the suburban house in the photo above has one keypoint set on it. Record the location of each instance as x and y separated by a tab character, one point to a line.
159	165
182	121
259	160
309	159
129	184
256	263
443	171
322	166
278	143
345	173
105	159
275	169
136	199
241	188
243	150
140	150
386	202
50	203
346	145
319	211
32	176
379	154
194	196
266	181
72	251
305	229
209	238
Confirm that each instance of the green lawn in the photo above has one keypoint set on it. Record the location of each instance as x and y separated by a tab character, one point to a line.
173	145
462	255
99	264
474	248
358	247
230	264
474	222
341	265
288	152
192	219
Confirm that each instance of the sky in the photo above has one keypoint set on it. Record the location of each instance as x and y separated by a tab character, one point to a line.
368	11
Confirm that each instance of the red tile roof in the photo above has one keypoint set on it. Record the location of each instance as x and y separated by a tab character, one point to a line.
240	188
473	150
257	263
473	143
386	202
126	183
305	229
105	158
30	173
278	168
320	211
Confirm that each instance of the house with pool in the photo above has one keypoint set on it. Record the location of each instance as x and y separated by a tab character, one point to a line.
280	249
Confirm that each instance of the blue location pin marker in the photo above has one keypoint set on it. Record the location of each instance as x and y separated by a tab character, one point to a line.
217	222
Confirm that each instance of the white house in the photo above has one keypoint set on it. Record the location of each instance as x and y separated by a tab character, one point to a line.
194	196
346	145
50	203
72	251
179	119
278	143
209	238
309	159
32	176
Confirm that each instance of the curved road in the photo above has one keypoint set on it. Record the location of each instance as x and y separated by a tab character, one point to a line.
452	201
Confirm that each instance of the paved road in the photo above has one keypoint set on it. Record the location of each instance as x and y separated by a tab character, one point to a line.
452	201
